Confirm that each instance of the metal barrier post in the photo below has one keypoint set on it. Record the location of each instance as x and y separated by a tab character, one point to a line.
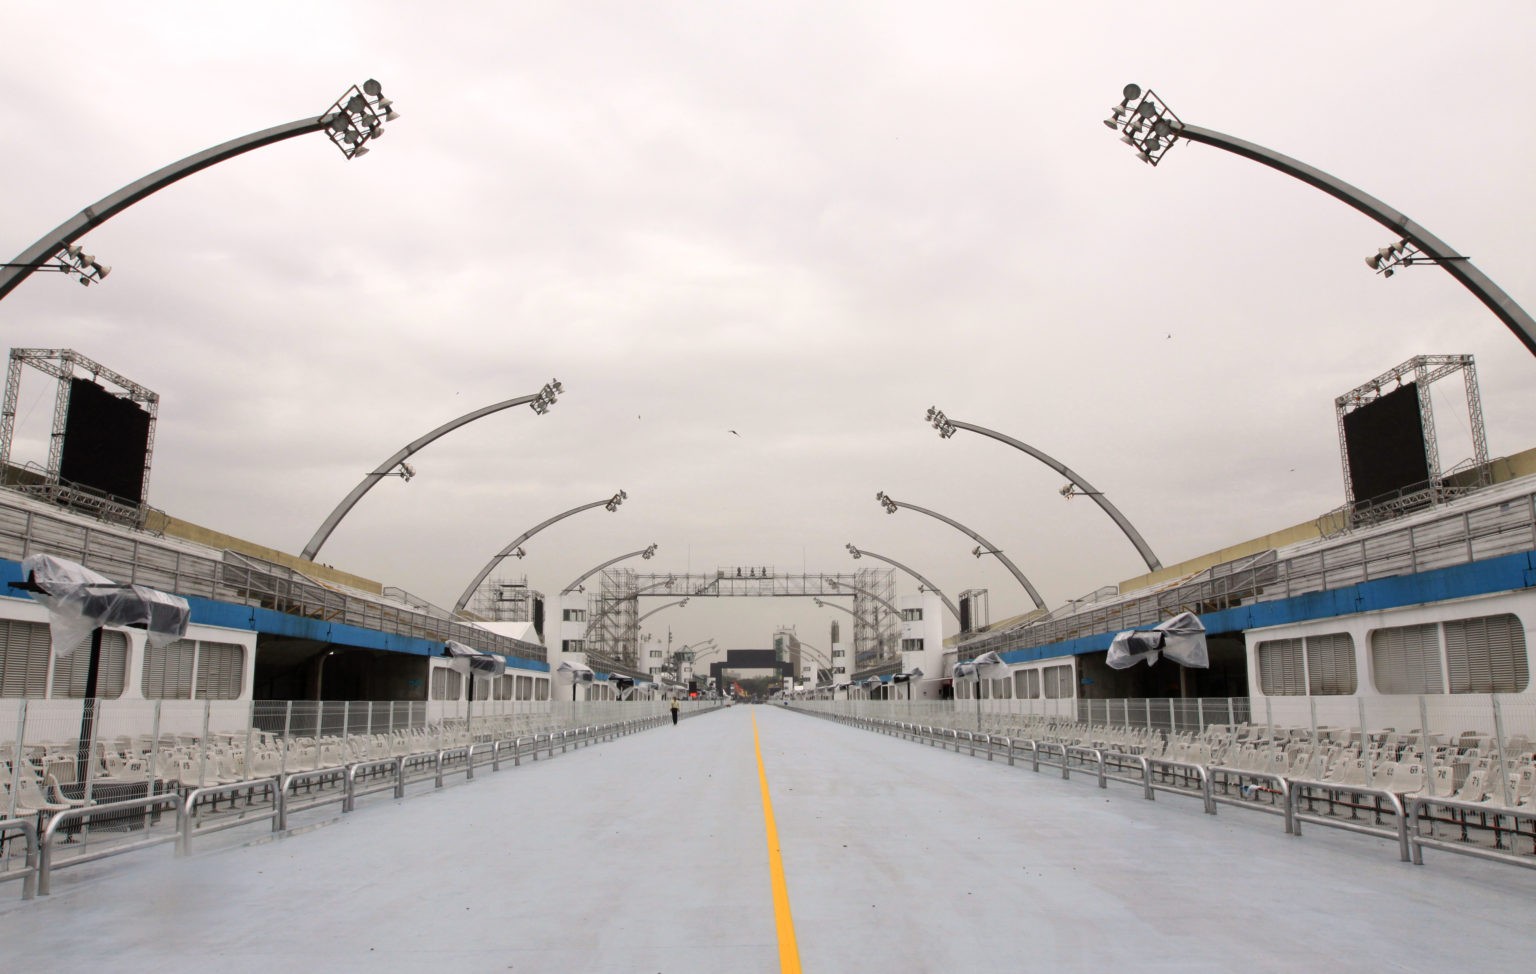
28	829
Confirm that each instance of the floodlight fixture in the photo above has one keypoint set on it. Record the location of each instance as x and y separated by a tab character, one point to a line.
855	552
358	117
940	422
615	501
1403	253
886	502
71	259
546	396
1148	126
404	471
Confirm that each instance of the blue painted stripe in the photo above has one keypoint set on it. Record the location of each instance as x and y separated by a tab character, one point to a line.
1507	573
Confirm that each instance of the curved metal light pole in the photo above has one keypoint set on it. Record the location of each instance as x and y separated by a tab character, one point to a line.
356	118
947	427
824	604
664	605
1151	129
986	547
645	553
864	591
611	503
540	401
859	553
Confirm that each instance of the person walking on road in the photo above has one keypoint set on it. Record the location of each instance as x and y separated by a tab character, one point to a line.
674	711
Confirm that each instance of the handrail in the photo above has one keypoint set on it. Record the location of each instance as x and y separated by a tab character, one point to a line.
287	781
1282	787
1055	747
1189	767
45	851
1417	842
1147	791
1299	785
1097	754
28	876
396	764
188	810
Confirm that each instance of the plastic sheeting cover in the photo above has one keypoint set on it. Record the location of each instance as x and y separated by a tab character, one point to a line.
469	660
1181	639
79	600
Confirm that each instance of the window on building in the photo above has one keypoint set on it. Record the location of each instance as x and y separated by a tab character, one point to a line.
447	684
1282	667
1487	655
541	689
1331	665
1026	684
1406	659
911	615
839	653
656	654
220	670
911	645
1057	682
573	645
69	672
573	615
24	652
525	688
168	670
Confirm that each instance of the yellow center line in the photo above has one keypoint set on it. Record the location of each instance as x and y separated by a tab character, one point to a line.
789	951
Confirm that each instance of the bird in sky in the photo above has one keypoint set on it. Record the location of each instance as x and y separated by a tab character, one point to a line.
734	433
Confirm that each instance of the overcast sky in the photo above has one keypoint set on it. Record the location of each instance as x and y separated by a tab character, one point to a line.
802	222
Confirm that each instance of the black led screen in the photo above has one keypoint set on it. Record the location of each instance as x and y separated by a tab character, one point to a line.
106	442
1384	441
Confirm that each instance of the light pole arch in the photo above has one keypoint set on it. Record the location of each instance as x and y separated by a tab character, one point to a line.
645	553
947	427
891	504
858	552
1151	128
540	401
664	605
611	503
356	118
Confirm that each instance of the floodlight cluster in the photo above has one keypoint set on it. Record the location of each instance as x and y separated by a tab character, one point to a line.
940	422
1148	126
74	260
547	396
358	118
1394	255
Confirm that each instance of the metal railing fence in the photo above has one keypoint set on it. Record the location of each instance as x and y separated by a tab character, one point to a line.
1504	524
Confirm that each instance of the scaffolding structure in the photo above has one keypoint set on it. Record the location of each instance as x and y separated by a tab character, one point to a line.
506	600
613	610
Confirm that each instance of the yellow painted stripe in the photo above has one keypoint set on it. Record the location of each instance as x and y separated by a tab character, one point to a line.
789	951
